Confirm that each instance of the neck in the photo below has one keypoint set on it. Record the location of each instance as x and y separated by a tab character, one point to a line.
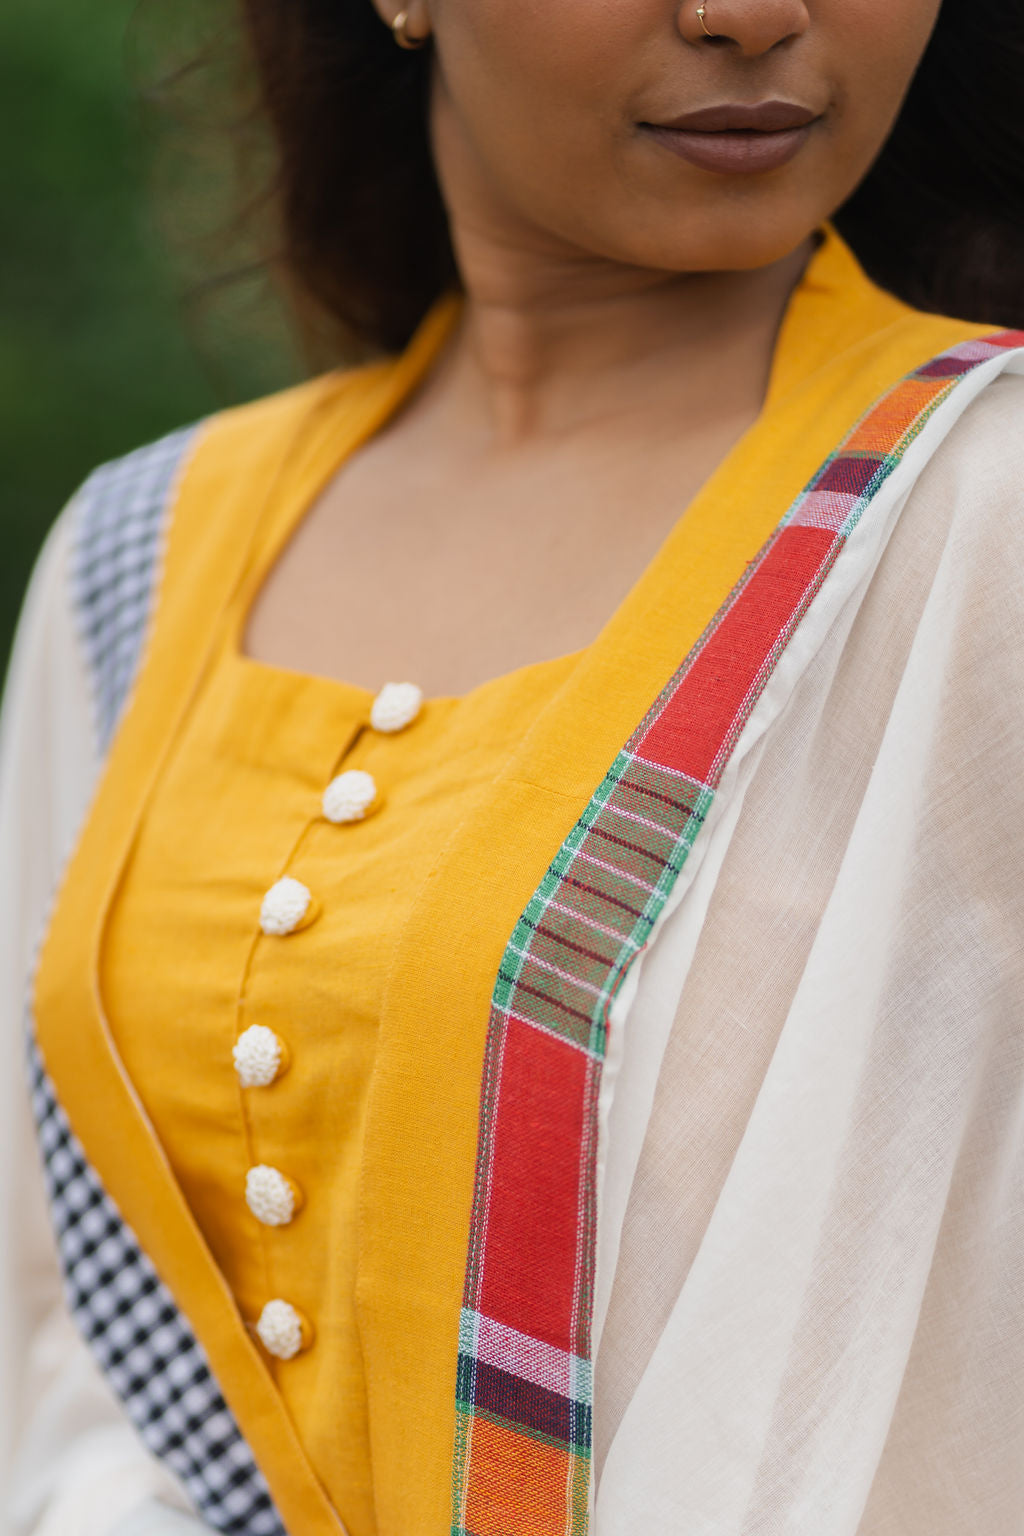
554	340
550	347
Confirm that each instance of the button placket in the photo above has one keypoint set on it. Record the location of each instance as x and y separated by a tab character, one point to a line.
260	1057
259	1054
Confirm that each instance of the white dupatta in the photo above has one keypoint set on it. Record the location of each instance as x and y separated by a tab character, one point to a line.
811	1254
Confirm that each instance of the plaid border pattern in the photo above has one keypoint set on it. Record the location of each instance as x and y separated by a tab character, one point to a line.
141	1340
524	1390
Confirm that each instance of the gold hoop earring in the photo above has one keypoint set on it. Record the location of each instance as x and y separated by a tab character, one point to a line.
402	36
703	23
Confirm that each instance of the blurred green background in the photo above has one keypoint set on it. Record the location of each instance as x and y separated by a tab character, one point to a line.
101	348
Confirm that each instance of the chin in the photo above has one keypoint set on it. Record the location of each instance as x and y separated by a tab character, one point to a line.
729	239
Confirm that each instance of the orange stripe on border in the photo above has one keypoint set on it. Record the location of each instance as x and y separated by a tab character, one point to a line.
518	1484
890	419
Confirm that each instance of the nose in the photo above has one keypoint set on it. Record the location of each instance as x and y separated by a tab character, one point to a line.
752	26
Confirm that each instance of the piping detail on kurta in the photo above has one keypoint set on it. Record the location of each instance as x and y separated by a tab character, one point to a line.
140	1337
524	1392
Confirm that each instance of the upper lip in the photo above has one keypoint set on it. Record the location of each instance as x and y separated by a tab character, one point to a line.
762	116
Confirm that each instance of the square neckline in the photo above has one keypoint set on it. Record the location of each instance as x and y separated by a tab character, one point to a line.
392	382
391	385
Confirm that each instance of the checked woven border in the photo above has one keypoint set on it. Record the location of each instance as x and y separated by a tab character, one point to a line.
524	1394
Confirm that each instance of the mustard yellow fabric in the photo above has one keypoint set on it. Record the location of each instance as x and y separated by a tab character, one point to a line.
154	958
185	969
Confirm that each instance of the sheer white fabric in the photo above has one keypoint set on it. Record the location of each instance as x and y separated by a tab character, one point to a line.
814	1324
70	1463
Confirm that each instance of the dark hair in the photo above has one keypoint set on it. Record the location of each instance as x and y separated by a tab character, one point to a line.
939	219
363	230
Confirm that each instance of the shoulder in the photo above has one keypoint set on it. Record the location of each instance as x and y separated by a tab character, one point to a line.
117	502
119	521
148	474
998	408
964	398
970	495
114	528
49	749
982	456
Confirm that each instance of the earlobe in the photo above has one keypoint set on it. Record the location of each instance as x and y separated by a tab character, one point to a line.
409	24
403	36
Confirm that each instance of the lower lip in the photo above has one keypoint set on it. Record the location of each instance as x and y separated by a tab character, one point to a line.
732	153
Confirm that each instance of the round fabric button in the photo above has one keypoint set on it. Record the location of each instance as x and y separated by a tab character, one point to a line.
284	906
282	1330
349	796
396	706
259	1056
272	1198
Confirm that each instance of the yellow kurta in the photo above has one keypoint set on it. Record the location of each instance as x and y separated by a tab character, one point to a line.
155	958
186	968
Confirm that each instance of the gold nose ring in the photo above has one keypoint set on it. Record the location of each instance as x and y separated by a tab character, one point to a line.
703	23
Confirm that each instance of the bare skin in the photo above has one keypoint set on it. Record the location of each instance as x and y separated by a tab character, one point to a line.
622	308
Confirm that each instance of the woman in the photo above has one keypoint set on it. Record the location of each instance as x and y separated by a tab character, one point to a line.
579	1088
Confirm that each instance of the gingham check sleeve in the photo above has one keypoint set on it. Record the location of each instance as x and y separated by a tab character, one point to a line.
69	1459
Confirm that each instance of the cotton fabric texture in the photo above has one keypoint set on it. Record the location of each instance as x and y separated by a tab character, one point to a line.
810	1246
815	1316
239	805
522	1457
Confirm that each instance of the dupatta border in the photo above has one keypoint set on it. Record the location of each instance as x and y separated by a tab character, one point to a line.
524	1388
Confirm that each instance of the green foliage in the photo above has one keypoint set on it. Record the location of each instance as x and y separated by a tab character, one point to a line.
95	351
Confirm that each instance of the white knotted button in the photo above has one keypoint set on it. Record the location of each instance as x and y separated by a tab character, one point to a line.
349	796
259	1056
284	906
396	706
282	1330
272	1198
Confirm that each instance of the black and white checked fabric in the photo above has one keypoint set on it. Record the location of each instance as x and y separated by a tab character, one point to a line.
140	1338
117	532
